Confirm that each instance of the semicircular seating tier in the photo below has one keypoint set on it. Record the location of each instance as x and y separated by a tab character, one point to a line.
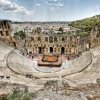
5	49
96	51
20	64
75	66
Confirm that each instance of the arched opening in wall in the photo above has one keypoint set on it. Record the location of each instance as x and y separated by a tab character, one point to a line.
1	33
46	39
4	24
89	44
14	44
63	39
39	30
62	50
30	53
35	31
55	39
70	38
51	49
40	50
7	33
51	39
68	58
32	38
0	26
39	39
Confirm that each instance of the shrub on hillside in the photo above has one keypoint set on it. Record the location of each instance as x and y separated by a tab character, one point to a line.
17	94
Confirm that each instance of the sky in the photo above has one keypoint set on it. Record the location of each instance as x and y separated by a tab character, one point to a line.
48	10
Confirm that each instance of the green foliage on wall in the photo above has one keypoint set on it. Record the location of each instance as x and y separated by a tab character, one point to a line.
21	34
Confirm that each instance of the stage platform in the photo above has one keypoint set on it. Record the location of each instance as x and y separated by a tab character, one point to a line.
50	61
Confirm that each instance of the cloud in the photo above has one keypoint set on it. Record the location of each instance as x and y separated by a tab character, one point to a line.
58	8
50	4
7	6
52	0
59	4
55	8
46	2
38	4
52	8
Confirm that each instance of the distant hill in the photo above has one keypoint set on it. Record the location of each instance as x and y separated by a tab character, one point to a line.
87	24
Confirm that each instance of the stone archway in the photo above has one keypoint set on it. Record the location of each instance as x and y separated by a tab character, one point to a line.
55	39
51	39
62	50
40	50
68	58
51	49
46	39
14	44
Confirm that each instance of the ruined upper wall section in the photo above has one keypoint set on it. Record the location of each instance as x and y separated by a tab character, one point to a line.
5	31
5	24
95	36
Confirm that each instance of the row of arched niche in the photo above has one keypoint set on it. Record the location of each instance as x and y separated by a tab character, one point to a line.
50	39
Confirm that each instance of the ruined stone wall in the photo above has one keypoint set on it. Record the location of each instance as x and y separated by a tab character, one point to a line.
52	43
95	37
5	31
47	43
44	43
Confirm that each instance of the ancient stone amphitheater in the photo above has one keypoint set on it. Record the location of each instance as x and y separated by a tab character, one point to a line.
84	69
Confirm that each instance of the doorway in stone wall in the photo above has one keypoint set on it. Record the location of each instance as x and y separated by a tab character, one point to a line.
40	50
14	44
51	49
62	50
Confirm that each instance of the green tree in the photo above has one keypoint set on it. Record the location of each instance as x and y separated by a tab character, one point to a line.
21	34
61	29
87	24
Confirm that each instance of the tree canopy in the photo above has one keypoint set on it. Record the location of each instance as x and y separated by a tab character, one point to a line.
21	34
87	24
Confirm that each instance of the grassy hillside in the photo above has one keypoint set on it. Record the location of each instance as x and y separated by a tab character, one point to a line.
87	24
